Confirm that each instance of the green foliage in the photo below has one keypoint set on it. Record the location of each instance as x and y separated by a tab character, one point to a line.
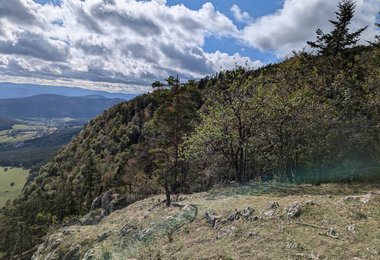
308	119
6	123
34	153
171	121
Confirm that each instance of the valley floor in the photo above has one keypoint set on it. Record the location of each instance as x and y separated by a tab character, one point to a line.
12	180
251	222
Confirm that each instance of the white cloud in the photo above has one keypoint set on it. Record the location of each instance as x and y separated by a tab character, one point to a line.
110	43
290	27
128	44
239	15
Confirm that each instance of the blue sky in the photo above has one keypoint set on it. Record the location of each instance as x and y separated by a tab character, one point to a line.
124	45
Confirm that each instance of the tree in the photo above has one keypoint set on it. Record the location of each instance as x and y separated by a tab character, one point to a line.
227	125
377	43
340	38
171	121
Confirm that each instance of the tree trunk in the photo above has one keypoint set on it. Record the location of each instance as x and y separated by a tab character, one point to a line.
167	193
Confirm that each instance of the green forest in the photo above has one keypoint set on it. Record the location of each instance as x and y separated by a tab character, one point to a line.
312	118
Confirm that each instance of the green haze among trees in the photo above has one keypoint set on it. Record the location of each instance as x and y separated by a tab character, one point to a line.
309	119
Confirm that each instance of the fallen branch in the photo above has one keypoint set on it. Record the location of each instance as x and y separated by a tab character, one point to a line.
328	234
311	225
330	231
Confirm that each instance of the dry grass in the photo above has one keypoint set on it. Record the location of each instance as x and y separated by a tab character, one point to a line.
357	227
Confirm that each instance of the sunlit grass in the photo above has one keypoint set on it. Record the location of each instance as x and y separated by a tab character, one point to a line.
11	183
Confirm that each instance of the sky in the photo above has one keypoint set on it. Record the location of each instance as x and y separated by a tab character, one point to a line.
125	45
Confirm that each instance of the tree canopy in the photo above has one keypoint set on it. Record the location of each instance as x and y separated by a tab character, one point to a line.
340	38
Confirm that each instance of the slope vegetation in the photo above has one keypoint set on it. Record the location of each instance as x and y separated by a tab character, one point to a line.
309	119
252	222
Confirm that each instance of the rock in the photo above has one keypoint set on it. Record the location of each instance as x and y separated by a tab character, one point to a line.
104	205
226	232
270	213
118	202
128	229
293	245
66	231
73	253
89	255
212	219
93	217
351	229
102	236
106	199
314	257
96	203
251	234
244	213
365	199
273	205
293	210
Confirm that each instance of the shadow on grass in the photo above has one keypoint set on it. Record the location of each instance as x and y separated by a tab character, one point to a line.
285	189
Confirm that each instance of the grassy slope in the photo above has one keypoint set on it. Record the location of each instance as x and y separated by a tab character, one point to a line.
140	230
15	175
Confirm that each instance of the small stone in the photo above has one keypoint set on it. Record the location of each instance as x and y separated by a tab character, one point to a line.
313	257
270	213
251	234
102	237
89	255
212	219
244	213
351	228
293	210
273	205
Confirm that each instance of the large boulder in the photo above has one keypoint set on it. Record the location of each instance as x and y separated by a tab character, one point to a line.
93	217
106	200
96	203
104	205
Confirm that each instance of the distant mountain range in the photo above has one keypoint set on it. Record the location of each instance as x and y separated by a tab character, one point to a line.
12	90
55	106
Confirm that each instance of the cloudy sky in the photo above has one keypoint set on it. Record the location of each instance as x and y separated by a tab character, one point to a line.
125	45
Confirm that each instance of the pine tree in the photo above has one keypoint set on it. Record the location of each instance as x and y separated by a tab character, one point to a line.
377	43
340	38
171	121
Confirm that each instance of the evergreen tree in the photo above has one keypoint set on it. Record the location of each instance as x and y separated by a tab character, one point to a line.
171	121
340	38
377	43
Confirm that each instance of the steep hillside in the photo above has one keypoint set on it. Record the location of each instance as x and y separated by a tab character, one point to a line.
55	106
309	119
251	222
34	153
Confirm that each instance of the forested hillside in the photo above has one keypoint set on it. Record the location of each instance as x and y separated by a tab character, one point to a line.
6	123
312	118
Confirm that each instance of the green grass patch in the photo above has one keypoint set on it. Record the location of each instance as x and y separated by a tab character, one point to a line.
21	132
12	180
